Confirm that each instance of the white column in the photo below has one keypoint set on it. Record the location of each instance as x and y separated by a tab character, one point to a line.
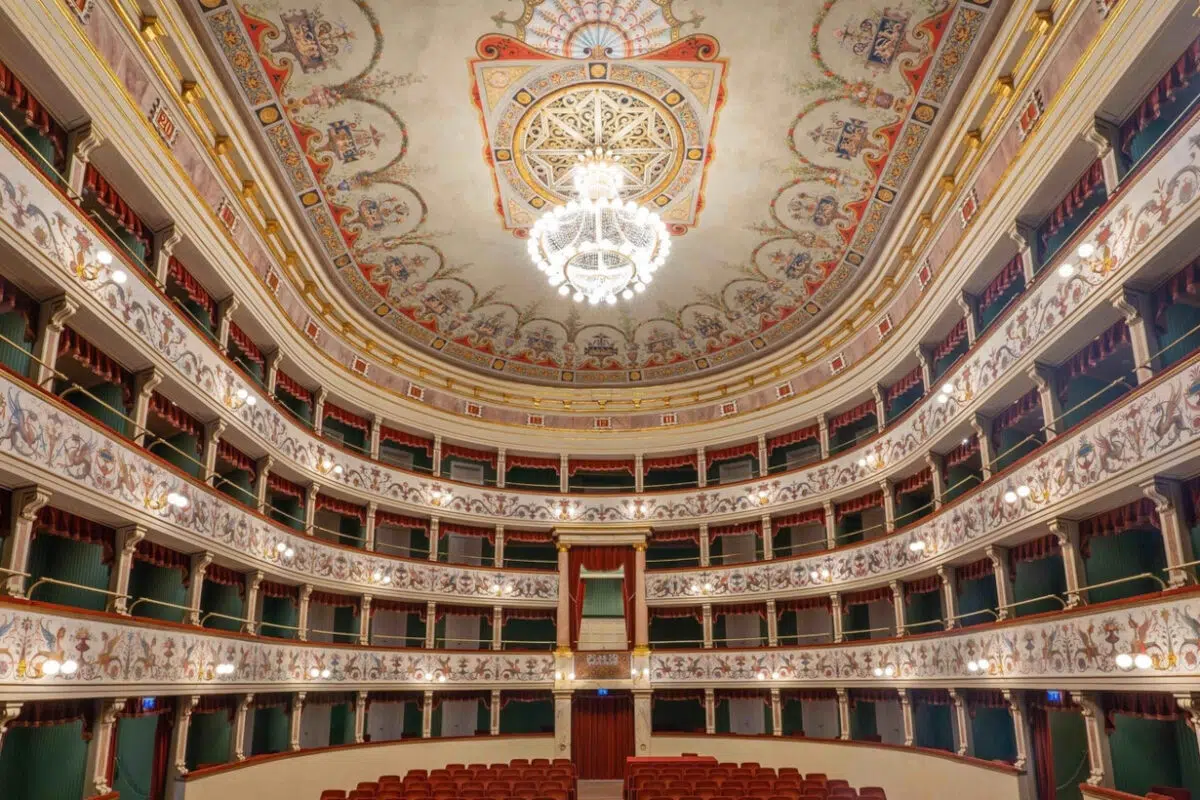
1024	235
1003	577
562	617
1099	753
562	723
830	525
81	141
499	547
237	736
898	607
937	475
360	716
225	311
52	318
199	567
118	576
835	612
427	715
701	468
1167	494
710	711
162	244
926	369
99	748
434	534
430	624
705	553
767	532
144	384
501	467
639	476
889	505
1042	376
1067	533
8	712
27	501
437	455
763	457
949	596
962	722
776	713
213	431
969	304
302	617
253	598
294	721
843	701
310	508
319	398
376	424
1189	702
906	712
184	705
823	435
564	476
262	468
982	425
1138	309
707	621
641	722
270	369
1103	136
497	627
880	408
364	620
1023	737
369	533
494	708
772	624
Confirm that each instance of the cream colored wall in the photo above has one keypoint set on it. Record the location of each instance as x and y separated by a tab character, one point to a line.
302	777
903	774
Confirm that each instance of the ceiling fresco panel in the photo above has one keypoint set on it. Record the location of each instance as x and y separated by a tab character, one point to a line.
421	140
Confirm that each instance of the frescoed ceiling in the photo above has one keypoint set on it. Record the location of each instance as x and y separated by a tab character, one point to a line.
421	140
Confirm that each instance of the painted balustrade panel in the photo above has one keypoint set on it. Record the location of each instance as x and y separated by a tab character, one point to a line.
1080	645
1160	422
40	436
1162	195
114	652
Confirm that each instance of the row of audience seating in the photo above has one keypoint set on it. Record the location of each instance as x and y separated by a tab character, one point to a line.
521	779
712	780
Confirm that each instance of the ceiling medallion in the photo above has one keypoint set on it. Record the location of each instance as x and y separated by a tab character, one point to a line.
598	247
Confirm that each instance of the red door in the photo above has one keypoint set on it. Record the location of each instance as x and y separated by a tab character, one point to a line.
601	734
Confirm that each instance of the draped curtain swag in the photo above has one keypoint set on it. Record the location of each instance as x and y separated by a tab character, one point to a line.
926	585
1024	406
792	437
1091	180
730	453
530	537
400	521
856	504
1182	284
524	696
872	696
226	577
1138	514
405	439
249	349
45	713
13	299
217	704
1034	550
469	454
807	695
281	485
736	529
394	697
962	452
70	343
929	697
532	462
1093	353
983	568
57	522
330	698
272	700
468	530
984	698
191	287
445	610
173	415
161	556
1004	278
725	695
342	507
758	609
867	596
528	613
1176	78
952	340
379	604
914	482
599	559
860	411
347	418
36	116
812	516
901	386
802	604
235	458
613	465
1146	705
483	696
669	462
111	202
334	600
279	590
288	384
677	696
677	612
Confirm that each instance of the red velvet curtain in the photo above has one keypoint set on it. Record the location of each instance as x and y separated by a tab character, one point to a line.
600	559
162	750
1043	753
601	734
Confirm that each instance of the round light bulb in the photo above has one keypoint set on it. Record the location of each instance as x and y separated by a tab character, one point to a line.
251	400
288	553
571	676
889	670
104	257
386	579
70	666
708	587
982	663
1124	660
862	462
972	666
1023	491
814	575
313	672
878	672
948	388
942	398
51	666
1086	250
242	394
1010	496
325	673
177	500
119	276
280	547
761	676
1066	270
1141	661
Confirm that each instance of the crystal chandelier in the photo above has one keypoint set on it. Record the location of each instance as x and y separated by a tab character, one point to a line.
596	247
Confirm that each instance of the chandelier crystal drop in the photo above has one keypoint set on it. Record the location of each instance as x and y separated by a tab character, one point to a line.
597	247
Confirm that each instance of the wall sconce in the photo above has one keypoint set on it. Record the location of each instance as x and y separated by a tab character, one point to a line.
284	551
886	671
315	673
761	495
1020	493
52	667
568	509
871	461
326	465
701	588
177	500
242	397
104	260
1141	661
224	669
639	509
379	577
980	665
439	496
949	390
917	546
820	575
498	590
